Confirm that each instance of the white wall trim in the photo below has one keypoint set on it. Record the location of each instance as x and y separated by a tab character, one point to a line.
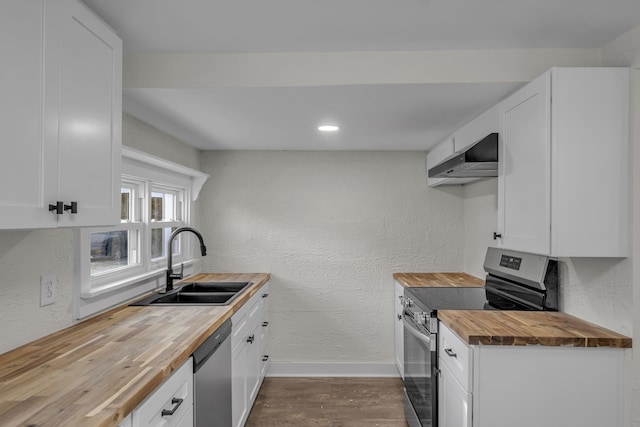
210	70
304	369
196	177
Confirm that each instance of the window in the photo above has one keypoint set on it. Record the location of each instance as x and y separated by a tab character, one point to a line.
117	249
120	262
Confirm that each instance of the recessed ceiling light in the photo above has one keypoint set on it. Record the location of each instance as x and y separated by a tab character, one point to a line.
328	128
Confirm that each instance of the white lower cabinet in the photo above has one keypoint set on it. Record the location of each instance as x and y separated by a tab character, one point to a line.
249	338
528	386
454	404
171	404
127	422
399	328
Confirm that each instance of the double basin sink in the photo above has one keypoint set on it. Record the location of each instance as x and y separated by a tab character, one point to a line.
198	293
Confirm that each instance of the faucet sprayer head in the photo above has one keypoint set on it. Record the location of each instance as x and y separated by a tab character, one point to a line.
203	250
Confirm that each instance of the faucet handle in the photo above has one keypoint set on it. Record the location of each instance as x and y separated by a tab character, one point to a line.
181	270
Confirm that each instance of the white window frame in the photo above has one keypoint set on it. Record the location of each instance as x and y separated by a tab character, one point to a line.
145	172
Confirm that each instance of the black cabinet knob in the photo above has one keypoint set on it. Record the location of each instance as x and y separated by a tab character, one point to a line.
496	236
57	208
73	207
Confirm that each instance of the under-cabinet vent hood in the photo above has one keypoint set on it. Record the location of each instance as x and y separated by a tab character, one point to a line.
480	160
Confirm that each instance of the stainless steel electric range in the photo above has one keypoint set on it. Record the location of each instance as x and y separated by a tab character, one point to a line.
514	281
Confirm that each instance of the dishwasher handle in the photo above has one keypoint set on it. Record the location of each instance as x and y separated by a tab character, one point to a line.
207	348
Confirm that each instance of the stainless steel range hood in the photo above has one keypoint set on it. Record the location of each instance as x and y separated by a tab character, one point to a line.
481	160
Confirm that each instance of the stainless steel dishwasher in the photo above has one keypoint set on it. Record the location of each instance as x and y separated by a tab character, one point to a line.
212	379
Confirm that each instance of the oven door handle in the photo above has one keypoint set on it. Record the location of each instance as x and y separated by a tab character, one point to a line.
410	326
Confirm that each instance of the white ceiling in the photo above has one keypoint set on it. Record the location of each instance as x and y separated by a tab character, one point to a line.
373	116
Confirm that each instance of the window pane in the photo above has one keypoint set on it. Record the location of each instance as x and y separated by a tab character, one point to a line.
163	206
159	239
111	250
125	204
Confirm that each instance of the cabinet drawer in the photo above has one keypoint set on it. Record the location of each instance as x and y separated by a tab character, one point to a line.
263	297
244	319
175	394
456	355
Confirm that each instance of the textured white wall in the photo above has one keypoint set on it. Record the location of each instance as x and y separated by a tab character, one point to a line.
331	227
25	255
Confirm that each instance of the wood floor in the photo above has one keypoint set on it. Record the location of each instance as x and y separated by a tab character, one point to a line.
334	402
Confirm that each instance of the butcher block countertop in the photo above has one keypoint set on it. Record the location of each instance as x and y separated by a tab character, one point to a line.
95	372
529	328
437	280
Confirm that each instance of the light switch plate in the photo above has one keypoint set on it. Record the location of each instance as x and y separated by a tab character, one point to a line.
48	285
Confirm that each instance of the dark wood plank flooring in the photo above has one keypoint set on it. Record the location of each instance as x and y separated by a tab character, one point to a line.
335	402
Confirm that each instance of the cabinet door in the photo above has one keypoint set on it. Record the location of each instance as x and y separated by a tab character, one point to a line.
454	402
187	420
27	115
254	363
175	394
264	345
239	403
399	328
524	175
90	116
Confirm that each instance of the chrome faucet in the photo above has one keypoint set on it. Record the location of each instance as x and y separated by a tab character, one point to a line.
171	276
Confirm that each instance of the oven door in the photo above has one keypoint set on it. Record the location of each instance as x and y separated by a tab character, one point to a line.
420	382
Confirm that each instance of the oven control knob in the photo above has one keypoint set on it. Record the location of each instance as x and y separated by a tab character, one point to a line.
408	302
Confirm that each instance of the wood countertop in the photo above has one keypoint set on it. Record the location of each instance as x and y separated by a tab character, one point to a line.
437	280
94	373
529	328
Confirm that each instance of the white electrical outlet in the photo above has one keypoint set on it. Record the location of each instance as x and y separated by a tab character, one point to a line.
48	285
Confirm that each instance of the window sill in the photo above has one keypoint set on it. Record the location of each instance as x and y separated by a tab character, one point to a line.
120	284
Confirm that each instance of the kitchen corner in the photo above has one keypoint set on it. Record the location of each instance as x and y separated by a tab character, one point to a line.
490	350
96	372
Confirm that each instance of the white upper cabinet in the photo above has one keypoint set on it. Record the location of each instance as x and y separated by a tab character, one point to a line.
563	166
438	154
61	85
475	130
90	117
461	140
28	121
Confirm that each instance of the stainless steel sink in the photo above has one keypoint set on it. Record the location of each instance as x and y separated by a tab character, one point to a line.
198	293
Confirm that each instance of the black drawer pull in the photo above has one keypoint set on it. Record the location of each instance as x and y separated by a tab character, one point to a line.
497	236
175	401
265	357
265	324
250	339
265	295
450	352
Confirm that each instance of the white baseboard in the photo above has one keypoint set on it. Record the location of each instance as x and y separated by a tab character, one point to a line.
295	369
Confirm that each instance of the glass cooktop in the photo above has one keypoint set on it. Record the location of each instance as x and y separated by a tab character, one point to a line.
448	298
476	298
